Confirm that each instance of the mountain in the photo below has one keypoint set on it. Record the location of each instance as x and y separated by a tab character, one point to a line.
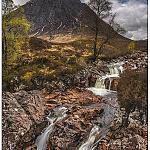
59	16
49	17
53	16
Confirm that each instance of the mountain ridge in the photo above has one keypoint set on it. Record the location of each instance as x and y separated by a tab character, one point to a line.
69	17
62	16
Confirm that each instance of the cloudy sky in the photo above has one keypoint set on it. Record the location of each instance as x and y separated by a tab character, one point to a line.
131	14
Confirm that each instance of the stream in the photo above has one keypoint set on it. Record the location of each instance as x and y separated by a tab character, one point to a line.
109	105
100	129
58	115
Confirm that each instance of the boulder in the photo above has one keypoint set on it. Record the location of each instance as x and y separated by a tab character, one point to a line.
21	112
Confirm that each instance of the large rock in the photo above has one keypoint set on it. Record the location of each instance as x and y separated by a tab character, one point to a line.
130	138
21	111
83	110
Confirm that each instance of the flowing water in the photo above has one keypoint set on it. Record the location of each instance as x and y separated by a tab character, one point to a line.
99	131
104	122
89	144
58	115
110	107
100	85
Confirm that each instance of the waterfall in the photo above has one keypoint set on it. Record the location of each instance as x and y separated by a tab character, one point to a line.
121	69
59	114
110	106
110	80
100	83
88	145
116	70
100	88
99	132
113	69
42	139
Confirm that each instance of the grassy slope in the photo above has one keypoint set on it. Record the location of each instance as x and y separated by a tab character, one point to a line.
63	55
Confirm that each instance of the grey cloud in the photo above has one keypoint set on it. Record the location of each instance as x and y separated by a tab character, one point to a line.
133	17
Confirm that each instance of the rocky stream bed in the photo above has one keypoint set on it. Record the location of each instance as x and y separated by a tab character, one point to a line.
74	119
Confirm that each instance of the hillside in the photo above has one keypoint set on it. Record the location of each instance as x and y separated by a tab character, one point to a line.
61	42
70	17
63	16
54	16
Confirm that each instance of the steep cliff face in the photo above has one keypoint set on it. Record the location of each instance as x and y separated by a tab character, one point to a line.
53	16
63	16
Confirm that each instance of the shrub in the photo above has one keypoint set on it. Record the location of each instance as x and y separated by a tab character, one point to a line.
27	76
132	93
71	59
38	44
131	47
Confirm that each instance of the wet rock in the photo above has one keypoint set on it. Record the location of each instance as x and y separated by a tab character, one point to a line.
114	84
83	109
21	111
27	140
91	80
129	140
74	97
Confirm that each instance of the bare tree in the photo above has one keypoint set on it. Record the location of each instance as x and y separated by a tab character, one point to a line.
103	8
109	34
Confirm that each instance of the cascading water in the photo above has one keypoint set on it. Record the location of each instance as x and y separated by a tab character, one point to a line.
110	80
98	132
121	69
59	114
116	70
100	83
113	70
100	87
110	106
88	145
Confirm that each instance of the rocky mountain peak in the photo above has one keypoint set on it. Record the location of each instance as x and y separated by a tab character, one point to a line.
63	16
54	15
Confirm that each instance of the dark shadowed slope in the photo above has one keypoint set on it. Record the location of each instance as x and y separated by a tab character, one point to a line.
59	16
53	16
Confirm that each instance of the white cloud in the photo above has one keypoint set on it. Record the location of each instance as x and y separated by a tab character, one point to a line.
84	1
132	15
20	2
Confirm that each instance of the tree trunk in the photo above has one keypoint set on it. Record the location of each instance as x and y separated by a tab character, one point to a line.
101	47
4	49
95	41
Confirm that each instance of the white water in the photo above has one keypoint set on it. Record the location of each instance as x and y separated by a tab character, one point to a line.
110	106
100	83
110	80
89	144
98	132
59	114
100	87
